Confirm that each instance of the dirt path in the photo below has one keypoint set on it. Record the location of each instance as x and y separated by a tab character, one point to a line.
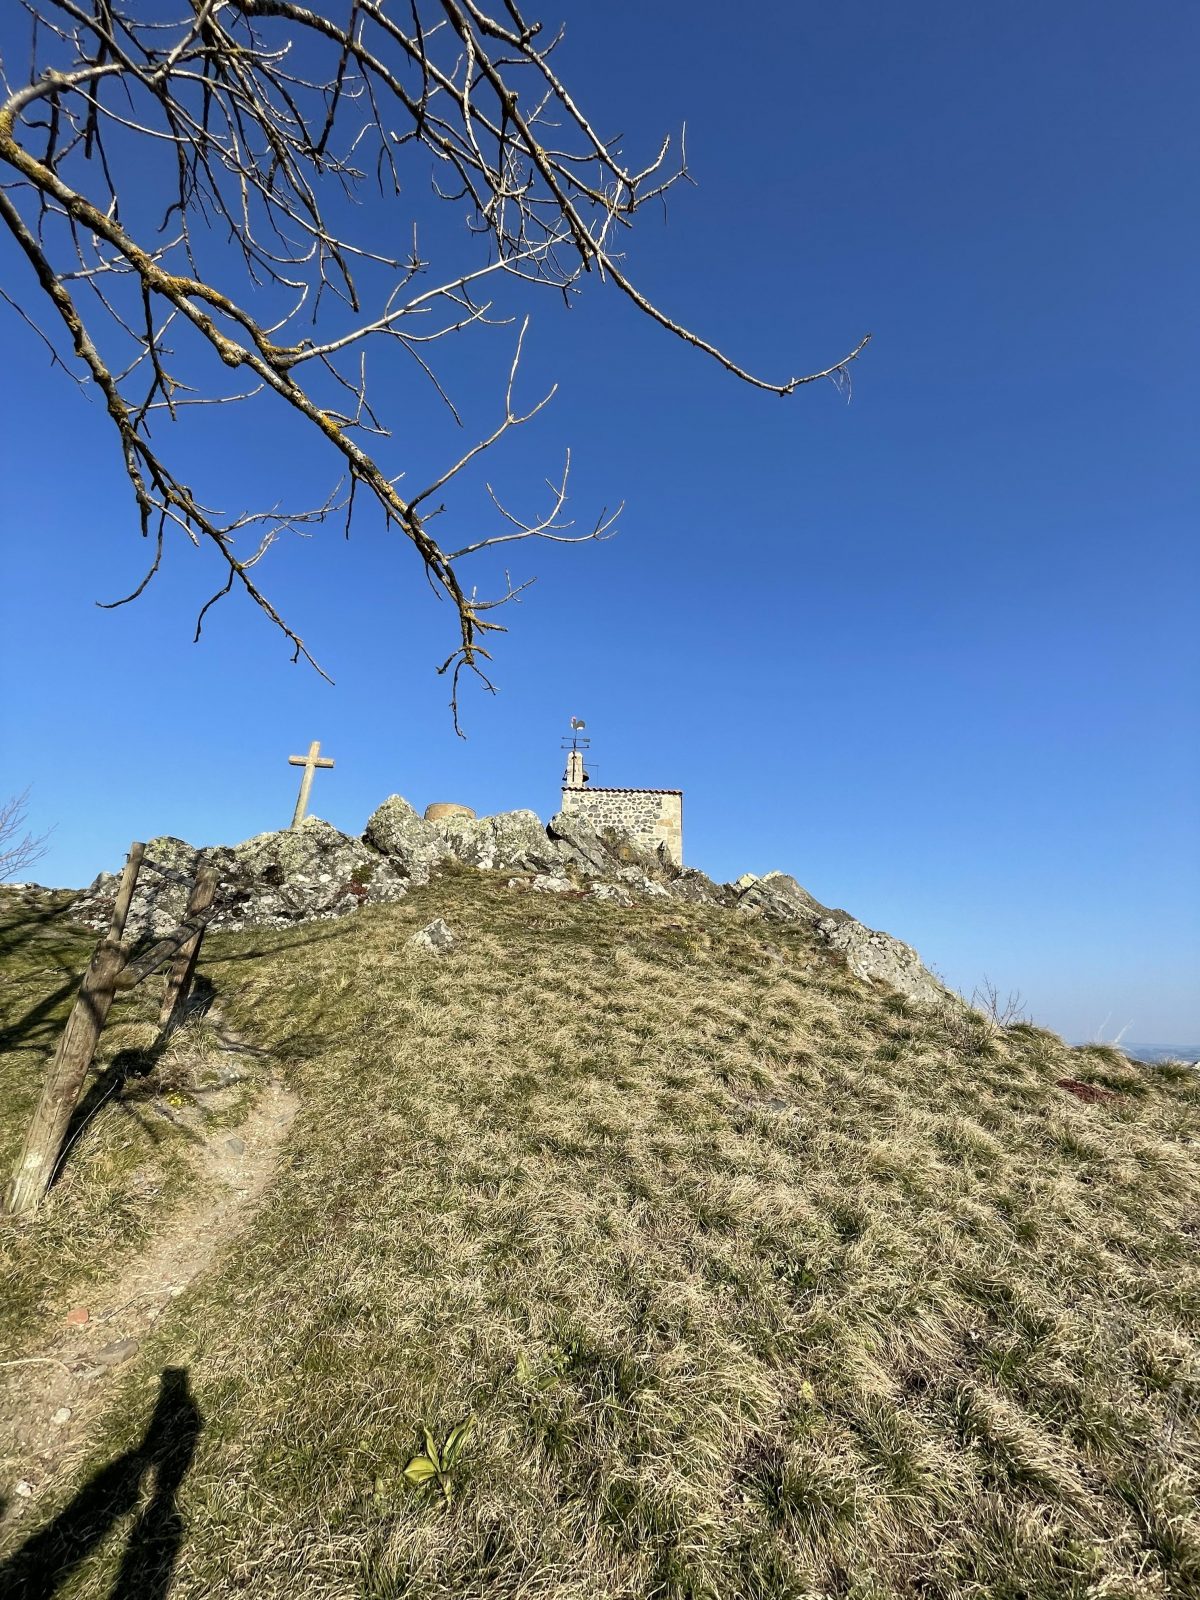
53	1393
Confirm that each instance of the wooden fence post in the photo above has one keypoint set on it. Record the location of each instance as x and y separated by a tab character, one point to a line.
182	969
68	1068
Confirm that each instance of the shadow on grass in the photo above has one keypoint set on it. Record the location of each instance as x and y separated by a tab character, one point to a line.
129	1065
40	1025
223	958
135	1062
16	930
48	1559
18	934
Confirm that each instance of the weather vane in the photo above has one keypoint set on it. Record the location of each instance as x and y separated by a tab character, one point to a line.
576	742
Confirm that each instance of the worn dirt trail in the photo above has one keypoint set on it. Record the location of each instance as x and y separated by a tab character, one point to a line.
53	1393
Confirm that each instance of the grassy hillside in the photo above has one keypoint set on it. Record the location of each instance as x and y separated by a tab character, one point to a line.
757	1283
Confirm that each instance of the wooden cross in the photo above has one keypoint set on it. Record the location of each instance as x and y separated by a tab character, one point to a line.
310	762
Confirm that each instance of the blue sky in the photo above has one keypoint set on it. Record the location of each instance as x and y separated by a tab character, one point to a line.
935	652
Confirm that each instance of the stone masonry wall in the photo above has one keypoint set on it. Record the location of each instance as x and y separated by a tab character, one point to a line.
652	818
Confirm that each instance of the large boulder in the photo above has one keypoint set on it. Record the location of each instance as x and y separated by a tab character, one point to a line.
413	846
604	852
272	880
523	843
582	846
510	841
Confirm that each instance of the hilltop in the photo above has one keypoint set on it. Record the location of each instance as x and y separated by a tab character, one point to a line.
312	872
758	1277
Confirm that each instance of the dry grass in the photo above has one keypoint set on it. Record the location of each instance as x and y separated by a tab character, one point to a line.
758	1284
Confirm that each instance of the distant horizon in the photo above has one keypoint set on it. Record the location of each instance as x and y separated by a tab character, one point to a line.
1151	1054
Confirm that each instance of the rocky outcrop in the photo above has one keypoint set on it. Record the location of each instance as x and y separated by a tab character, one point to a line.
414	847
295	875
599	852
316	872
690	884
622	871
880	958
511	840
875	957
780	897
581	844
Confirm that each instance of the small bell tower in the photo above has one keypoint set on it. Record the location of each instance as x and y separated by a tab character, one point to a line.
575	743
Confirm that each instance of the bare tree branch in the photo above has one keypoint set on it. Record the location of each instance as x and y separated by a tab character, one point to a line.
19	849
247	129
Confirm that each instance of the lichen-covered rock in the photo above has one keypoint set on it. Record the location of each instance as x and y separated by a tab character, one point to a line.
613	893
582	845
875	957
608	852
881	958
641	884
469	840
550	883
272	880
510	841
698	888
779	896
522	842
413	846
161	896
626	847
435	937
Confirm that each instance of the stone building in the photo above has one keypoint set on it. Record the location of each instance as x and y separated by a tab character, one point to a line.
653	816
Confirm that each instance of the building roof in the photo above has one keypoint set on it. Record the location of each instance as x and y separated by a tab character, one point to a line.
600	788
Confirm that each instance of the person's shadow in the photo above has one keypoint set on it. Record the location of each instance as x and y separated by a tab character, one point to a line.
47	1559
